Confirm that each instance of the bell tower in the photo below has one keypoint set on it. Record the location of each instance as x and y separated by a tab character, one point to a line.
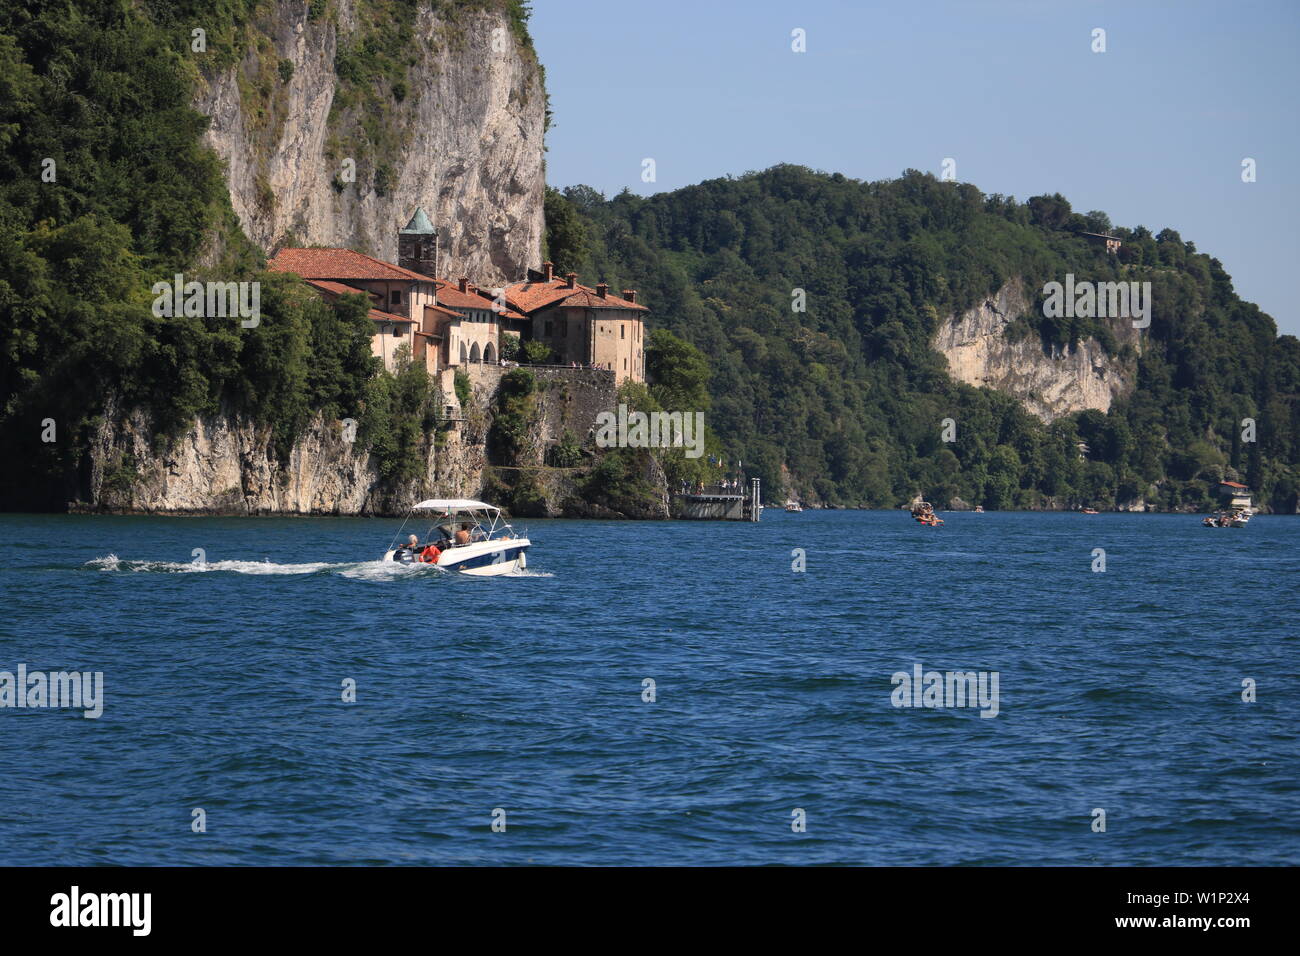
417	245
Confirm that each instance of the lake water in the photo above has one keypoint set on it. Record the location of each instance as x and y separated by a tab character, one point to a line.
1119	691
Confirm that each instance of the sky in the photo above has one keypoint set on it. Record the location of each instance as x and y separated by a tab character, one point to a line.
1153	131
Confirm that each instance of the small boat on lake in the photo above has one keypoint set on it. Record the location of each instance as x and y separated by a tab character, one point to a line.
1227	519
467	536
924	514
1236	507
1089	511
793	507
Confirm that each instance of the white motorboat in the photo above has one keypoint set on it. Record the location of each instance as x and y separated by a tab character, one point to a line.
793	506
467	536
1228	519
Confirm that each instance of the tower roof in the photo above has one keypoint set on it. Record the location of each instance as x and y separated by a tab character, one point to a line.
419	224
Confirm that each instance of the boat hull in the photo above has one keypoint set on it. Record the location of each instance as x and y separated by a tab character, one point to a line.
482	558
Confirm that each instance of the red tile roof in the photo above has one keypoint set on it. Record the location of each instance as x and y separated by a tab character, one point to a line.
379	316
335	289
588	299
473	298
338	288
340	264
529	297
450	295
445	311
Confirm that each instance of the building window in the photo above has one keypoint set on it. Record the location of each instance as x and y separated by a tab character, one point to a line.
622	331
395	297
625	365
397	331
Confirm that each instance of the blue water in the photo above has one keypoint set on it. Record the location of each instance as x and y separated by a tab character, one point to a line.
1118	690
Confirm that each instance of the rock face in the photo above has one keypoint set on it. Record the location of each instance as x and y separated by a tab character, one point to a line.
468	130
1049	384
224	464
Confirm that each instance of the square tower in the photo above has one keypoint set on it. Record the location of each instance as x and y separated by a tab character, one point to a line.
417	245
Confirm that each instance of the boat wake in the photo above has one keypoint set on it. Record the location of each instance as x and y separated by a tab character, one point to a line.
112	562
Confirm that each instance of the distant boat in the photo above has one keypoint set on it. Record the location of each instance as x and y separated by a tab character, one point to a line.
979	509
924	514
1230	519
793	507
1089	511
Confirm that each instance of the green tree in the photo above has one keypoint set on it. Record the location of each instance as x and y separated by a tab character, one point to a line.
566	235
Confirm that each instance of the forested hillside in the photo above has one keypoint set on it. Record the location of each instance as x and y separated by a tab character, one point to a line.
843	402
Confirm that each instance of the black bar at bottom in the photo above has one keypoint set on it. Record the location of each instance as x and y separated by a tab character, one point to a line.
341	904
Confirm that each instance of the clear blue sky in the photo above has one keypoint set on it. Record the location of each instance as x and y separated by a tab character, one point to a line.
1153	131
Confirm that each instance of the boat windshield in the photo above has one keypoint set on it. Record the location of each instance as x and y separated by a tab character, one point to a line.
480	525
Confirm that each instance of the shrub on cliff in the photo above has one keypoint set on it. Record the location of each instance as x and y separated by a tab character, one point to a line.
533	352
617	482
400	412
509	439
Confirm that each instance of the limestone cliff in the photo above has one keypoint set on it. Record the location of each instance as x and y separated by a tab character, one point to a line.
455	127
1050	383
225	464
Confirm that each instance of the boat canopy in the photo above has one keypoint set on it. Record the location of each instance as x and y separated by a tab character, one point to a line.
451	505
454	504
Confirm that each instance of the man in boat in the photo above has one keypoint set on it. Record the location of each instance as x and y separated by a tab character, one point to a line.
412	545
462	534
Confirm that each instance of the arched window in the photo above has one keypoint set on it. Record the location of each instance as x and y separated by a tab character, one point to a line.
462	353
473	353
489	354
